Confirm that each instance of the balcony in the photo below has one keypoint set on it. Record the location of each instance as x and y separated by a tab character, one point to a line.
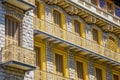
22	4
69	37
43	75
96	10
18	57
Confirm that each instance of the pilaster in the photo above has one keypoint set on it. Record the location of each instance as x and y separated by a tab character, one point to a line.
91	72
49	60
71	65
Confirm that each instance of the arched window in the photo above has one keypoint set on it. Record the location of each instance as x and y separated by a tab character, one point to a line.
77	27
12	31
57	18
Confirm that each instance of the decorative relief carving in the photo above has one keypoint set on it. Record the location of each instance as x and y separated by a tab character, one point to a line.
111	45
90	19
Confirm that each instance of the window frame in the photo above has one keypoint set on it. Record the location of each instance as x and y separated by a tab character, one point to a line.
103	68
82	66
60	18
100	41
65	65
42	55
61	66
115	75
38	55
85	66
114	72
9	34
74	27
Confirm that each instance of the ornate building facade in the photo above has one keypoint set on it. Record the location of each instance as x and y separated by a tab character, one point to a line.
60	40
17	57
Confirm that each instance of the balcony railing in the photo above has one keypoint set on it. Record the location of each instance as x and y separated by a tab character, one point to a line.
43	75
56	31
98	11
18	54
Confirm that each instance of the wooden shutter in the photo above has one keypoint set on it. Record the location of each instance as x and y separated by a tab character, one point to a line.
37	50
115	77
12	31
98	74
59	64
95	35
77	27
80	70
57	18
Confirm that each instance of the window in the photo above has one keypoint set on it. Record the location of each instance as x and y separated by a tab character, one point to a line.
77	27
36	10
79	70
109	7
95	35
12	31
94	2
115	77
57	18
59	64
98	74
102	3
37	50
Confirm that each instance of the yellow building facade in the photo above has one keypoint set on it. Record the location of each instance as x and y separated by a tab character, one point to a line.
77	39
59	40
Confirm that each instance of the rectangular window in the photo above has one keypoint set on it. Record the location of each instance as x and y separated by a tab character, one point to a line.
59	64
98	74
12	31
79	70
95	35
77	27
115	77
57	18
37	50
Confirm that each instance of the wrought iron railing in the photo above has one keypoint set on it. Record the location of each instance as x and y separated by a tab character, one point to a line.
56	31
20	54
